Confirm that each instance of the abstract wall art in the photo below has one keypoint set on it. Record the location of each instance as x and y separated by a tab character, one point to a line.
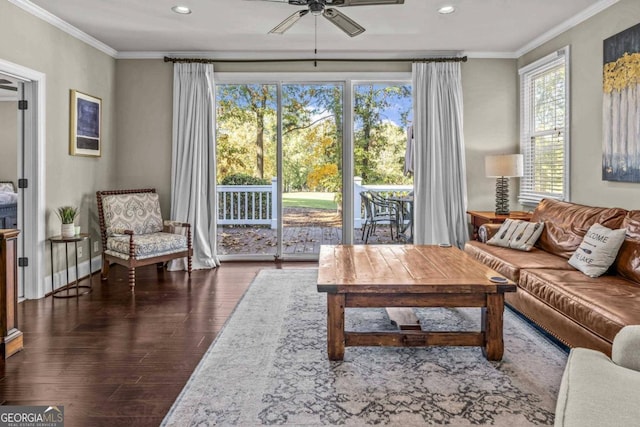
85	127
621	106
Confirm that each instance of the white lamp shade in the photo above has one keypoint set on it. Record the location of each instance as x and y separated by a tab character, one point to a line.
504	165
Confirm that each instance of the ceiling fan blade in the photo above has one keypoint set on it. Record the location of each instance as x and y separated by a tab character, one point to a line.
12	88
288	23
344	3
343	22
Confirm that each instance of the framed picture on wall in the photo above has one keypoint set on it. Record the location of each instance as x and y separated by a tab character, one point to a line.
621	106
86	125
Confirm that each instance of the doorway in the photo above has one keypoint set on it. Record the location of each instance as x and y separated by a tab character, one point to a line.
29	161
303	142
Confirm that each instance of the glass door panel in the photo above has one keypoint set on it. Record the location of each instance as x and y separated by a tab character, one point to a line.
382	160
312	167
246	137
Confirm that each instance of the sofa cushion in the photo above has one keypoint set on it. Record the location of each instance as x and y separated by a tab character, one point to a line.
628	261
602	305
508	262
598	250
565	224
146	245
138	212
517	234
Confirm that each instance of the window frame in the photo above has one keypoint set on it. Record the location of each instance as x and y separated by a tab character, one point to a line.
528	196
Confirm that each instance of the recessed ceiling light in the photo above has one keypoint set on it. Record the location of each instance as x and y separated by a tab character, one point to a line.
183	10
445	10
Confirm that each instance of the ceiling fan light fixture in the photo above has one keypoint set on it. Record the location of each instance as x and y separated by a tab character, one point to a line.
319	7
446	9
182	10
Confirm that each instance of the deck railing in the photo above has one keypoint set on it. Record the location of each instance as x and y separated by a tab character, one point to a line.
246	204
257	204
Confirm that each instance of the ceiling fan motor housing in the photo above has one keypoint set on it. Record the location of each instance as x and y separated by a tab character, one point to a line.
316	8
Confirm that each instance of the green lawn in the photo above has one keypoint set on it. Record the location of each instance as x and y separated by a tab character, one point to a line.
309	200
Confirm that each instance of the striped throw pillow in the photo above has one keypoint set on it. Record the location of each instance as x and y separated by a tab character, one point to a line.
517	234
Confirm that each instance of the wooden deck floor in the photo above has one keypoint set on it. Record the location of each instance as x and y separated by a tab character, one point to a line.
296	240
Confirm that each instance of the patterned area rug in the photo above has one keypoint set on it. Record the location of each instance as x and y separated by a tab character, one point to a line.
269	367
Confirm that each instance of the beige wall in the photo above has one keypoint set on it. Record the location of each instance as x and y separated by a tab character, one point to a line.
586	40
9	141
68	64
490	125
144	118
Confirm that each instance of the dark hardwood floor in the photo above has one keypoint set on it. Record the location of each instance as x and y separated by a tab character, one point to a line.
113	358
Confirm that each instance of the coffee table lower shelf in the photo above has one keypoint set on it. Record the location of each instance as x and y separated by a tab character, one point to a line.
489	337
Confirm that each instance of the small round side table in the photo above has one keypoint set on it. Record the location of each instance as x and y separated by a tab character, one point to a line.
66	240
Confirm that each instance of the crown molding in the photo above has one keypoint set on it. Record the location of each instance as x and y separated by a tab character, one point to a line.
565	26
50	18
489	55
326	54
323	55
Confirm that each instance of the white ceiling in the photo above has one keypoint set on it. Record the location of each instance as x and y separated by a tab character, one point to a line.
500	28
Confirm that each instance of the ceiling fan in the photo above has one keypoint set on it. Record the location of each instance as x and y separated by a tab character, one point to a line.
321	7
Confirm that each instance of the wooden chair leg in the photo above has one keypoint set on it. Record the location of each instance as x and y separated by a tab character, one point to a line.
132	278
364	229
189	265
160	265
105	269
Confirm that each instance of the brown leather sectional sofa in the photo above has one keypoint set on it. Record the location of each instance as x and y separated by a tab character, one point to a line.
578	310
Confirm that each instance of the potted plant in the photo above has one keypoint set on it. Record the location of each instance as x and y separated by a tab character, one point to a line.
67	215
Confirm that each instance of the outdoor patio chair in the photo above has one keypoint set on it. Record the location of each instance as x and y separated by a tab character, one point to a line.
379	210
134	234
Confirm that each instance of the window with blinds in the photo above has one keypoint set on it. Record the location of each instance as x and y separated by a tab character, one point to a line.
544	139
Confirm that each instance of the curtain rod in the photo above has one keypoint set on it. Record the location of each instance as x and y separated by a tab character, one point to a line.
211	60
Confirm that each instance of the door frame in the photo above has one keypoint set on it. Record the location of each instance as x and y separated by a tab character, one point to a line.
31	166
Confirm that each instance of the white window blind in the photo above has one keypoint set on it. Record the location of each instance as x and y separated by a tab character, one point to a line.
544	124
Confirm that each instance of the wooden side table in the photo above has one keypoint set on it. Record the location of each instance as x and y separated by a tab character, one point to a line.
486	217
11	339
66	240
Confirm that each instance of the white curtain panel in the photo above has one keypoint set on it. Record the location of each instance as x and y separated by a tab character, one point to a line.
193	166
440	189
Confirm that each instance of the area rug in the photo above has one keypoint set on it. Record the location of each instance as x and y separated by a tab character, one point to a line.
269	366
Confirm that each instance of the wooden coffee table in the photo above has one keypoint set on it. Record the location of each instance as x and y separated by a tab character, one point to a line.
409	276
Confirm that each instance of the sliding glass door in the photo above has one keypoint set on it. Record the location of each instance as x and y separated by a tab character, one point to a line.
293	157
246	129
312	167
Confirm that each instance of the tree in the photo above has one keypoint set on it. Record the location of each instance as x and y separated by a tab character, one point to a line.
312	133
253	103
371	103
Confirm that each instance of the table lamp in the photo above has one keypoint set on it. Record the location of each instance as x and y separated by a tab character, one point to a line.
502	167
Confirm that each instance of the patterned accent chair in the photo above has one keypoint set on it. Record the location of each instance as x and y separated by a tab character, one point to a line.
134	234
